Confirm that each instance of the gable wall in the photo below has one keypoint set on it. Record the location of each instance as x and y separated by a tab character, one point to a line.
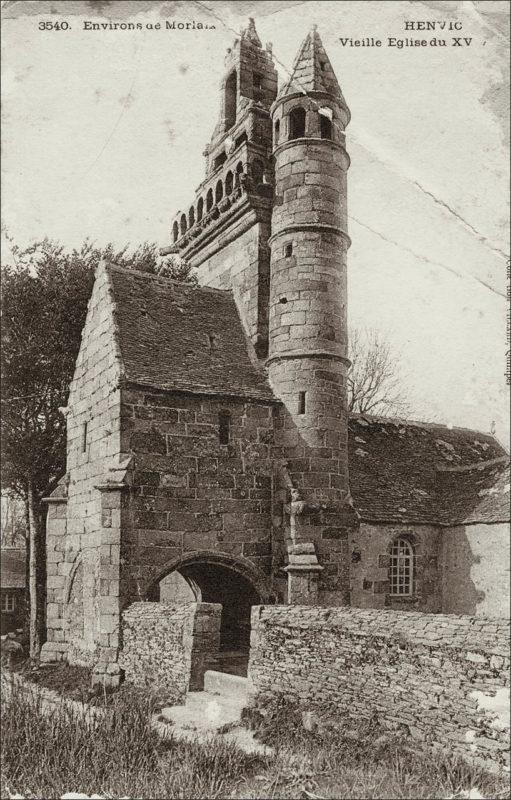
95	399
475	570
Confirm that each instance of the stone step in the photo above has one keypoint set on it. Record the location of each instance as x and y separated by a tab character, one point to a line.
225	684
206	716
204	712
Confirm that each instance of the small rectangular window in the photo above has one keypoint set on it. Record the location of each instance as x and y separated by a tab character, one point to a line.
8	603
224	423
288	250
301	402
84	437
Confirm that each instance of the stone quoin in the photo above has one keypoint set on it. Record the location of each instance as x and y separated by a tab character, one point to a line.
211	458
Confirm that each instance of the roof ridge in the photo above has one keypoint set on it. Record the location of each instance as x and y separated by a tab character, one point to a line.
475	465
109	265
418	423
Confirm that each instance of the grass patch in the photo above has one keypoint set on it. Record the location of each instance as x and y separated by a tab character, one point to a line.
75	683
47	755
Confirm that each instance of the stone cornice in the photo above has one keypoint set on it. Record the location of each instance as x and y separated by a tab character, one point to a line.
289	354
315	140
311	226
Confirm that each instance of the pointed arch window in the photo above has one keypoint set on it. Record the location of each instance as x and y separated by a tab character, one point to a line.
209	199
402	567
182	224
219	191
200	209
297	123
228	182
191	216
175	231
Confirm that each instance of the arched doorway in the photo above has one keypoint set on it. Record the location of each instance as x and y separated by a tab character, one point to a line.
212	578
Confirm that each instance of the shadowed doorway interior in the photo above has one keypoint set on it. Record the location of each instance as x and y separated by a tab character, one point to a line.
215	583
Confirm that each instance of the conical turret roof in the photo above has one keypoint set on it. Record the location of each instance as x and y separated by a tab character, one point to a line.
312	70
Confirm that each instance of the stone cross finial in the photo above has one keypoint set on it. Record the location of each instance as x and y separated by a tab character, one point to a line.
251	33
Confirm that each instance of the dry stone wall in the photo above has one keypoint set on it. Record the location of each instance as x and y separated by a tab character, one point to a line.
442	678
167	646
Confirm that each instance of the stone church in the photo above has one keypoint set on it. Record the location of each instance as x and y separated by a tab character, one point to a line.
210	454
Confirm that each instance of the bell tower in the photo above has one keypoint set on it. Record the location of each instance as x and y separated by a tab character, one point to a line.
224	231
307	361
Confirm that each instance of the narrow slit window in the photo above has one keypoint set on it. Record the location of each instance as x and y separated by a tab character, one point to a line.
288	250
84	436
230	100
224	425
277	131
301	402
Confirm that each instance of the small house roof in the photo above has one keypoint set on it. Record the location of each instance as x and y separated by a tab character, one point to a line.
12	568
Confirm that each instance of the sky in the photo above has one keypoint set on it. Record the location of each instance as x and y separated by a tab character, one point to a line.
103	134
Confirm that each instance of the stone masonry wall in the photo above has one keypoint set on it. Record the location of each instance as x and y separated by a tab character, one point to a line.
93	442
370	559
242	264
190	492
438	675
166	646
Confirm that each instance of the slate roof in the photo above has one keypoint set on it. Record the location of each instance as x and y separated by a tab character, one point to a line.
12	568
164	329
312	70
407	471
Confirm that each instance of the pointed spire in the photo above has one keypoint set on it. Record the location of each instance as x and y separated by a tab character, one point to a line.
312	70
251	33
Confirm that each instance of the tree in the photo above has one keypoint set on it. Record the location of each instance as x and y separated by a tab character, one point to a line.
375	384
45	291
13	522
